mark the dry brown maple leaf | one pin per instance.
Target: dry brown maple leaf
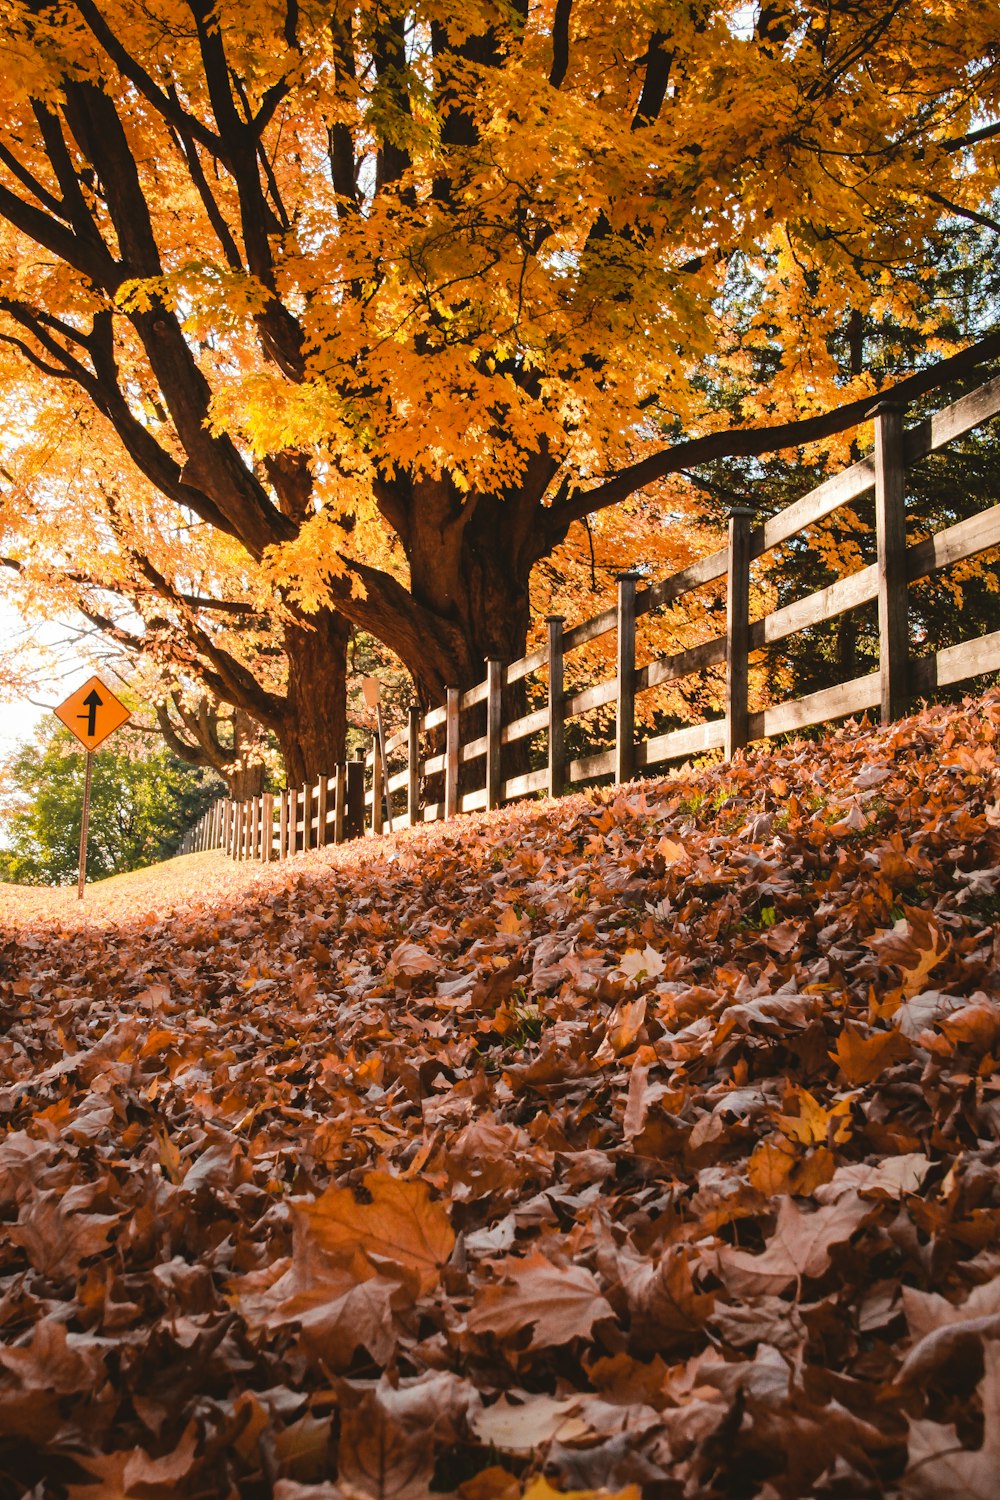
(521, 1426)
(333, 1328)
(940, 1468)
(56, 1362)
(799, 1246)
(863, 1058)
(663, 1303)
(401, 1226)
(56, 1239)
(558, 1303)
(379, 1458)
(133, 1475)
(927, 1311)
(777, 1167)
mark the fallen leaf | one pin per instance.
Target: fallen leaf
(557, 1303)
(940, 1467)
(522, 1426)
(799, 1247)
(401, 1226)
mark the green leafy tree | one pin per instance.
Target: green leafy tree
(142, 801)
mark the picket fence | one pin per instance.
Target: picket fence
(352, 799)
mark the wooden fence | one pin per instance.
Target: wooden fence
(353, 798)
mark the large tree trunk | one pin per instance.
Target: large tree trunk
(470, 564)
(469, 573)
(313, 725)
(244, 782)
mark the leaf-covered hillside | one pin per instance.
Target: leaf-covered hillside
(647, 1138)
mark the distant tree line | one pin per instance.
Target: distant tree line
(142, 801)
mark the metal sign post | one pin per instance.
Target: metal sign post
(91, 714)
(84, 825)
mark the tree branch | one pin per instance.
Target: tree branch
(964, 213)
(168, 107)
(654, 86)
(560, 42)
(750, 442)
(972, 138)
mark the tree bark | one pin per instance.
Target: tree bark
(312, 728)
(244, 782)
(470, 560)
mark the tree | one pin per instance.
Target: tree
(81, 534)
(202, 734)
(389, 296)
(141, 805)
(952, 604)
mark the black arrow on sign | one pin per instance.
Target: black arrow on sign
(93, 702)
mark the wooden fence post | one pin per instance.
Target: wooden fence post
(494, 730)
(378, 786)
(625, 716)
(890, 537)
(283, 823)
(267, 848)
(293, 820)
(339, 807)
(413, 765)
(738, 631)
(355, 820)
(322, 810)
(307, 802)
(557, 714)
(451, 762)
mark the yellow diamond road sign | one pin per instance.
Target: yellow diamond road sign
(92, 713)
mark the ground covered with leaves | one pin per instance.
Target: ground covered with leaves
(649, 1138)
